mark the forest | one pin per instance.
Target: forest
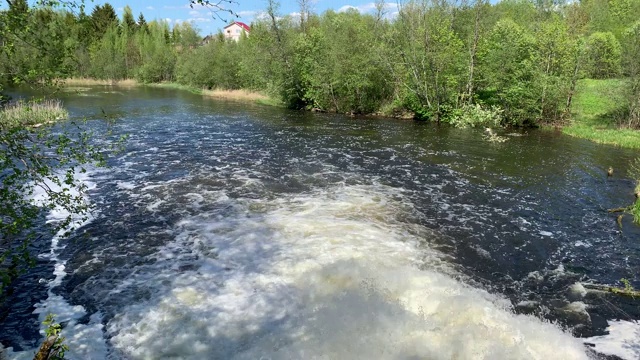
(467, 63)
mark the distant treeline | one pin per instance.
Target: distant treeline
(468, 63)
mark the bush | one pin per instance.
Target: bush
(604, 56)
(475, 115)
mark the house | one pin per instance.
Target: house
(235, 29)
(206, 40)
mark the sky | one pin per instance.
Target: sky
(175, 11)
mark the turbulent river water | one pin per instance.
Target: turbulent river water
(234, 231)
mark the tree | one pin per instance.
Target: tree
(631, 42)
(508, 71)
(604, 55)
(430, 64)
(142, 23)
(102, 18)
(128, 22)
(554, 56)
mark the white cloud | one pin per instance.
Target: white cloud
(369, 7)
(347, 8)
(194, 13)
(168, 20)
(247, 13)
(150, 8)
(120, 9)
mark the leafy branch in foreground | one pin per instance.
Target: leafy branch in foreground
(53, 348)
(39, 162)
(216, 6)
(38, 173)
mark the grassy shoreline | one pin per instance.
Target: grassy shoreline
(32, 114)
(595, 107)
(232, 95)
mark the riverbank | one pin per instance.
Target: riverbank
(233, 95)
(596, 105)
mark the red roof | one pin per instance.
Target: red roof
(241, 24)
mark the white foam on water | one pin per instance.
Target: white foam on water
(329, 275)
(578, 289)
(86, 341)
(623, 340)
(125, 185)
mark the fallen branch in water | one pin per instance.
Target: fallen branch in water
(622, 209)
(626, 291)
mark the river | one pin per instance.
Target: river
(235, 231)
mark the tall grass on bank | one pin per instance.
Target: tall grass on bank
(98, 82)
(31, 113)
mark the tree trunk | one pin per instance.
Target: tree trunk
(472, 53)
(45, 349)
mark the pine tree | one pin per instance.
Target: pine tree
(142, 23)
(128, 20)
(101, 18)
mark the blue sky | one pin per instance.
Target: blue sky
(179, 10)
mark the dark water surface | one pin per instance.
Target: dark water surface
(228, 230)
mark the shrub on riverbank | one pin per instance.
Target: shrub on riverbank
(475, 116)
(31, 113)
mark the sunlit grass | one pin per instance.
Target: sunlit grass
(596, 105)
(240, 95)
(236, 95)
(32, 113)
(176, 86)
(98, 82)
(621, 137)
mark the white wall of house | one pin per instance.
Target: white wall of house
(233, 31)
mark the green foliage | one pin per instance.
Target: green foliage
(597, 110)
(106, 59)
(508, 72)
(631, 41)
(475, 116)
(336, 65)
(634, 169)
(430, 64)
(38, 48)
(129, 24)
(604, 56)
(158, 57)
(59, 348)
(213, 66)
(103, 17)
(435, 59)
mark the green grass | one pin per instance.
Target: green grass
(32, 113)
(595, 107)
(270, 102)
